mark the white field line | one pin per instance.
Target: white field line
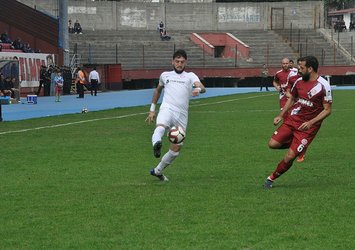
(70, 123)
(143, 113)
(109, 118)
(231, 100)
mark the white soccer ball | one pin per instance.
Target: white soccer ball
(84, 110)
(176, 134)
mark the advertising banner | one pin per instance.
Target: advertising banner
(29, 65)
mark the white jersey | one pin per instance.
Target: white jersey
(177, 90)
(94, 75)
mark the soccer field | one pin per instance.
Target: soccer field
(82, 181)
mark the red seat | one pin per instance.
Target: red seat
(6, 45)
(12, 50)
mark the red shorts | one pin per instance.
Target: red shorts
(288, 133)
(58, 90)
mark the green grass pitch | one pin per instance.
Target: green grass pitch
(82, 181)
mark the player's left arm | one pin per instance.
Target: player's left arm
(320, 117)
(276, 83)
(199, 89)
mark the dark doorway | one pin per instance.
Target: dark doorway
(218, 51)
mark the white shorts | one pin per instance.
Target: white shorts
(170, 118)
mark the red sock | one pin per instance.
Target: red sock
(281, 168)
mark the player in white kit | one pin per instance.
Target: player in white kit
(178, 86)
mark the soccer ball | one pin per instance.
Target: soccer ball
(176, 134)
(84, 110)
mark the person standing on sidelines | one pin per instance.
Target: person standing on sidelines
(280, 81)
(42, 77)
(309, 104)
(80, 82)
(59, 82)
(94, 79)
(178, 86)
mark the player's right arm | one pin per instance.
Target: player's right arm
(289, 103)
(276, 84)
(156, 95)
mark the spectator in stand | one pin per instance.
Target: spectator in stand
(339, 26)
(17, 44)
(351, 25)
(342, 25)
(164, 36)
(77, 28)
(70, 26)
(27, 48)
(160, 27)
(5, 38)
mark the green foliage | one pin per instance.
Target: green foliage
(87, 185)
(338, 4)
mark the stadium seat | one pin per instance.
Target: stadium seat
(12, 50)
(6, 45)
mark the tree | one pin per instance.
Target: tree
(338, 4)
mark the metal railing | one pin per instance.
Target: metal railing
(331, 48)
(293, 44)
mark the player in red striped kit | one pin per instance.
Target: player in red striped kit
(292, 77)
(280, 81)
(308, 105)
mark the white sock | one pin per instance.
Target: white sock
(167, 159)
(158, 134)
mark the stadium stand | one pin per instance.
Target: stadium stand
(42, 34)
(145, 50)
(313, 42)
(137, 48)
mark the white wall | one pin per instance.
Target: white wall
(199, 15)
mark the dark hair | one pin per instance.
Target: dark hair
(311, 61)
(180, 53)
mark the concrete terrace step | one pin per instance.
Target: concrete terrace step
(145, 48)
